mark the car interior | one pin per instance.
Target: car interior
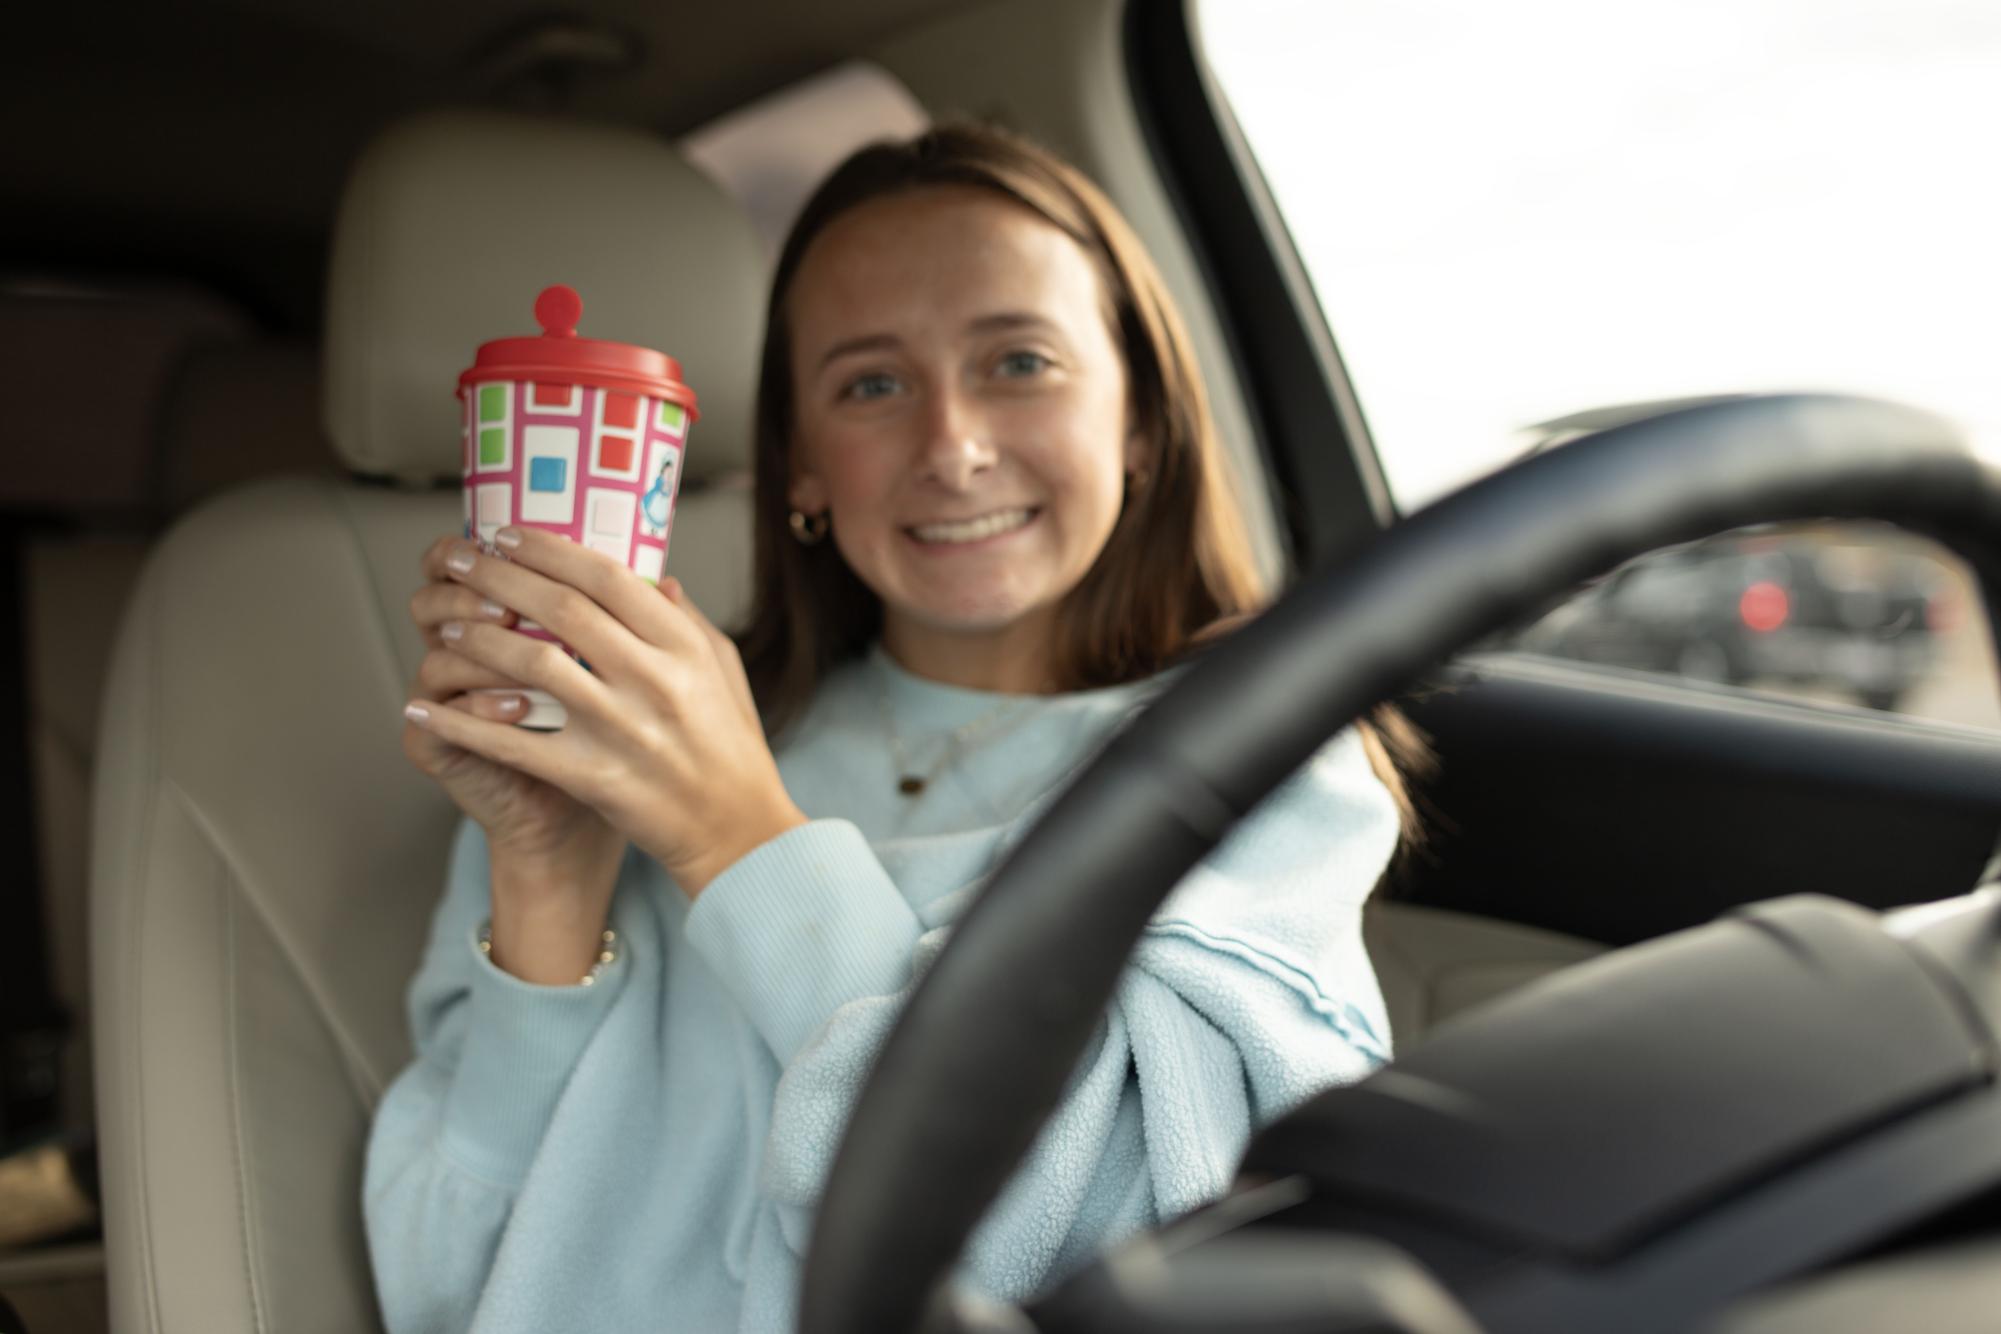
(241, 267)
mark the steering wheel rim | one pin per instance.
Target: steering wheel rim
(942, 1122)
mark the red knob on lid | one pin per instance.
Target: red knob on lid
(558, 310)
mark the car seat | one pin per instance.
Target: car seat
(265, 859)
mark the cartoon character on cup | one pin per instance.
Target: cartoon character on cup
(658, 501)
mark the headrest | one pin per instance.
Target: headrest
(237, 411)
(451, 225)
(82, 372)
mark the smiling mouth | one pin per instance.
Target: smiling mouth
(973, 530)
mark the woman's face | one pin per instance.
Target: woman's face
(961, 409)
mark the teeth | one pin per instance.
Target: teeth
(972, 530)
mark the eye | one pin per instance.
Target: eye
(1019, 365)
(864, 388)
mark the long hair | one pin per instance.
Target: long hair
(1179, 561)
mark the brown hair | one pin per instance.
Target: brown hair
(1179, 560)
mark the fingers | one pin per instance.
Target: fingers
(440, 599)
(445, 727)
(583, 597)
(445, 672)
(515, 659)
(496, 706)
(427, 750)
(434, 604)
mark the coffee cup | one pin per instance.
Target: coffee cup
(581, 437)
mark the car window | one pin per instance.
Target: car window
(1650, 208)
(1847, 613)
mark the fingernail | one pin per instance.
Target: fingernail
(508, 537)
(416, 713)
(453, 631)
(493, 609)
(459, 562)
(508, 705)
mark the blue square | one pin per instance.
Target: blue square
(547, 474)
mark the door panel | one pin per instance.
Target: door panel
(1616, 808)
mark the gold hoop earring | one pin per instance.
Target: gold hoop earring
(809, 529)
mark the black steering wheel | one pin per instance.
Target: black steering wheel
(980, 1054)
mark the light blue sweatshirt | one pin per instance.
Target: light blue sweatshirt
(644, 1154)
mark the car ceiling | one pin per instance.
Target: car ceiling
(171, 136)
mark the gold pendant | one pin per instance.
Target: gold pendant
(910, 785)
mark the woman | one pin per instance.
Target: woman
(991, 513)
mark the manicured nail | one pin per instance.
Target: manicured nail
(493, 609)
(508, 705)
(459, 562)
(508, 537)
(417, 713)
(453, 631)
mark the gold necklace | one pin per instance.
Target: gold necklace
(911, 783)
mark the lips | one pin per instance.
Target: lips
(978, 529)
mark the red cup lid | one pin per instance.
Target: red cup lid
(559, 356)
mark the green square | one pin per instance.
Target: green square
(672, 416)
(493, 446)
(493, 402)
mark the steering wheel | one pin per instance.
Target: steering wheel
(981, 1053)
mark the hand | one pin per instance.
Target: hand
(537, 834)
(663, 738)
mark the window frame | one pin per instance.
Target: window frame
(1331, 500)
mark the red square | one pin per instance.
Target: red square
(551, 395)
(615, 453)
(621, 410)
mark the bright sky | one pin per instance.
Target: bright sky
(1517, 211)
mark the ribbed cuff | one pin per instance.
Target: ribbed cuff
(800, 926)
(522, 1042)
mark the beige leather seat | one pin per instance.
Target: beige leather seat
(265, 859)
(232, 410)
(1434, 964)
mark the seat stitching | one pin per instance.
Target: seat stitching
(349, 1047)
(245, 1205)
(133, 959)
(342, 505)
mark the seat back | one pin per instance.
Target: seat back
(266, 860)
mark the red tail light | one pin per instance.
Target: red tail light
(1764, 606)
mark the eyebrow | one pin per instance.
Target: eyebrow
(999, 320)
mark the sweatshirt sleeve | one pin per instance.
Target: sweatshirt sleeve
(1250, 991)
(457, 1129)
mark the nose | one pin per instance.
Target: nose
(957, 442)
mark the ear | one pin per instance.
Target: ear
(1138, 451)
(807, 494)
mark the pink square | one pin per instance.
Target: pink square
(611, 513)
